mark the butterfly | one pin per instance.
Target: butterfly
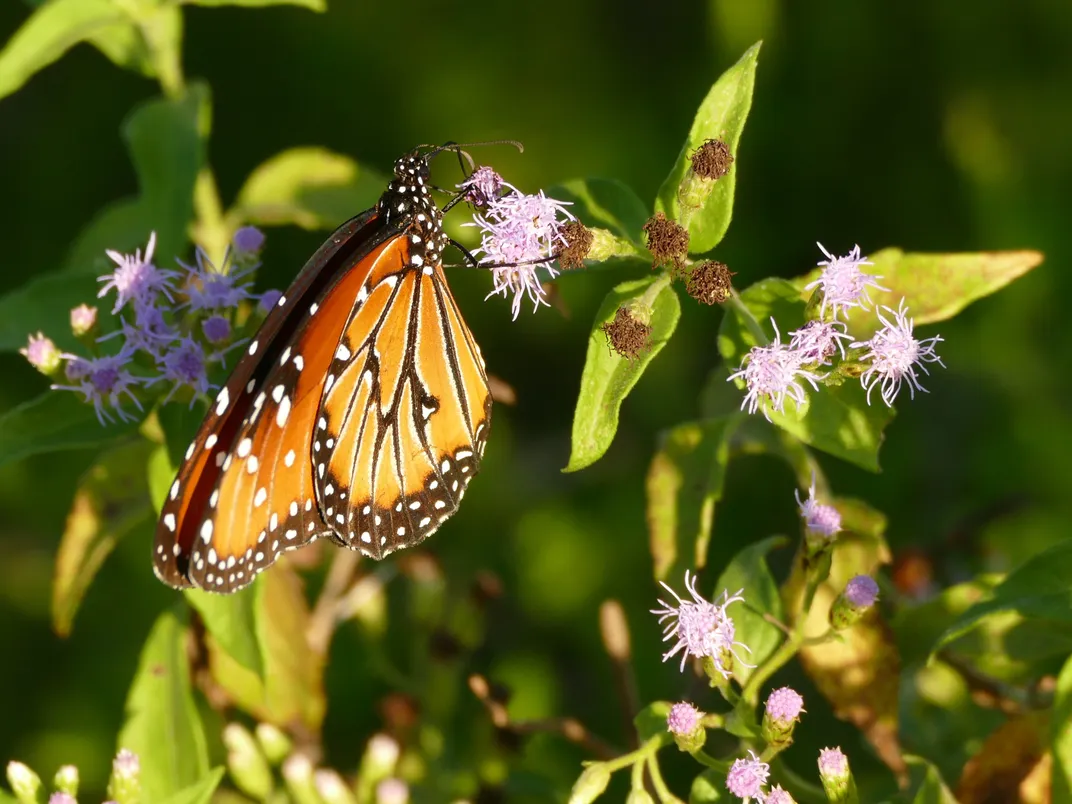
(359, 411)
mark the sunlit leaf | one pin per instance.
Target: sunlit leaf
(721, 116)
(651, 720)
(604, 204)
(162, 724)
(925, 783)
(707, 787)
(44, 304)
(314, 5)
(161, 473)
(111, 500)
(749, 573)
(231, 621)
(835, 419)
(684, 484)
(56, 420)
(935, 287)
(51, 30)
(199, 793)
(1010, 755)
(1061, 736)
(608, 377)
(918, 627)
(310, 187)
(1037, 590)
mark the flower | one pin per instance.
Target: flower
(392, 791)
(861, 591)
(83, 319)
(136, 278)
(836, 777)
(773, 372)
(894, 354)
(702, 628)
(683, 719)
(66, 780)
(248, 240)
(747, 777)
(784, 704)
(210, 289)
(778, 795)
(149, 333)
(817, 341)
(217, 329)
(483, 187)
(819, 518)
(269, 299)
(123, 786)
(61, 798)
(832, 762)
(518, 235)
(41, 353)
(103, 380)
(842, 282)
(184, 365)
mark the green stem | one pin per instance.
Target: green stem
(638, 755)
(778, 659)
(705, 758)
(647, 299)
(802, 790)
(657, 781)
(750, 322)
(210, 229)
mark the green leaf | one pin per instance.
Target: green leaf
(198, 793)
(748, 571)
(918, 627)
(161, 474)
(53, 421)
(123, 44)
(1037, 590)
(230, 620)
(313, 5)
(165, 139)
(123, 226)
(1061, 736)
(112, 499)
(835, 419)
(721, 116)
(651, 720)
(684, 484)
(608, 377)
(162, 726)
(925, 783)
(707, 787)
(310, 187)
(604, 204)
(44, 304)
(935, 287)
(51, 30)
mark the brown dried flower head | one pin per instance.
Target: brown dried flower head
(578, 239)
(626, 335)
(711, 160)
(709, 282)
(668, 241)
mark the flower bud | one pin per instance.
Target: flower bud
(66, 780)
(42, 354)
(217, 329)
(860, 594)
(836, 777)
(247, 765)
(248, 242)
(332, 788)
(124, 785)
(392, 791)
(274, 742)
(380, 758)
(298, 775)
(777, 795)
(269, 299)
(25, 784)
(638, 795)
(685, 722)
(781, 715)
(83, 320)
(590, 784)
(61, 798)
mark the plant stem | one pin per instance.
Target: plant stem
(657, 781)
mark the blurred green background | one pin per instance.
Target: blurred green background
(933, 125)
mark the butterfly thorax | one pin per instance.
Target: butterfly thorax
(407, 203)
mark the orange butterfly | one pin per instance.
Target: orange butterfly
(359, 411)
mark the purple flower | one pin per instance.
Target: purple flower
(248, 241)
(819, 518)
(217, 329)
(483, 187)
(41, 353)
(777, 795)
(894, 354)
(773, 372)
(518, 235)
(861, 591)
(683, 719)
(61, 798)
(785, 704)
(701, 628)
(184, 365)
(843, 284)
(103, 380)
(269, 299)
(136, 278)
(126, 764)
(817, 341)
(747, 777)
(210, 289)
(833, 763)
(392, 791)
(83, 319)
(149, 333)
